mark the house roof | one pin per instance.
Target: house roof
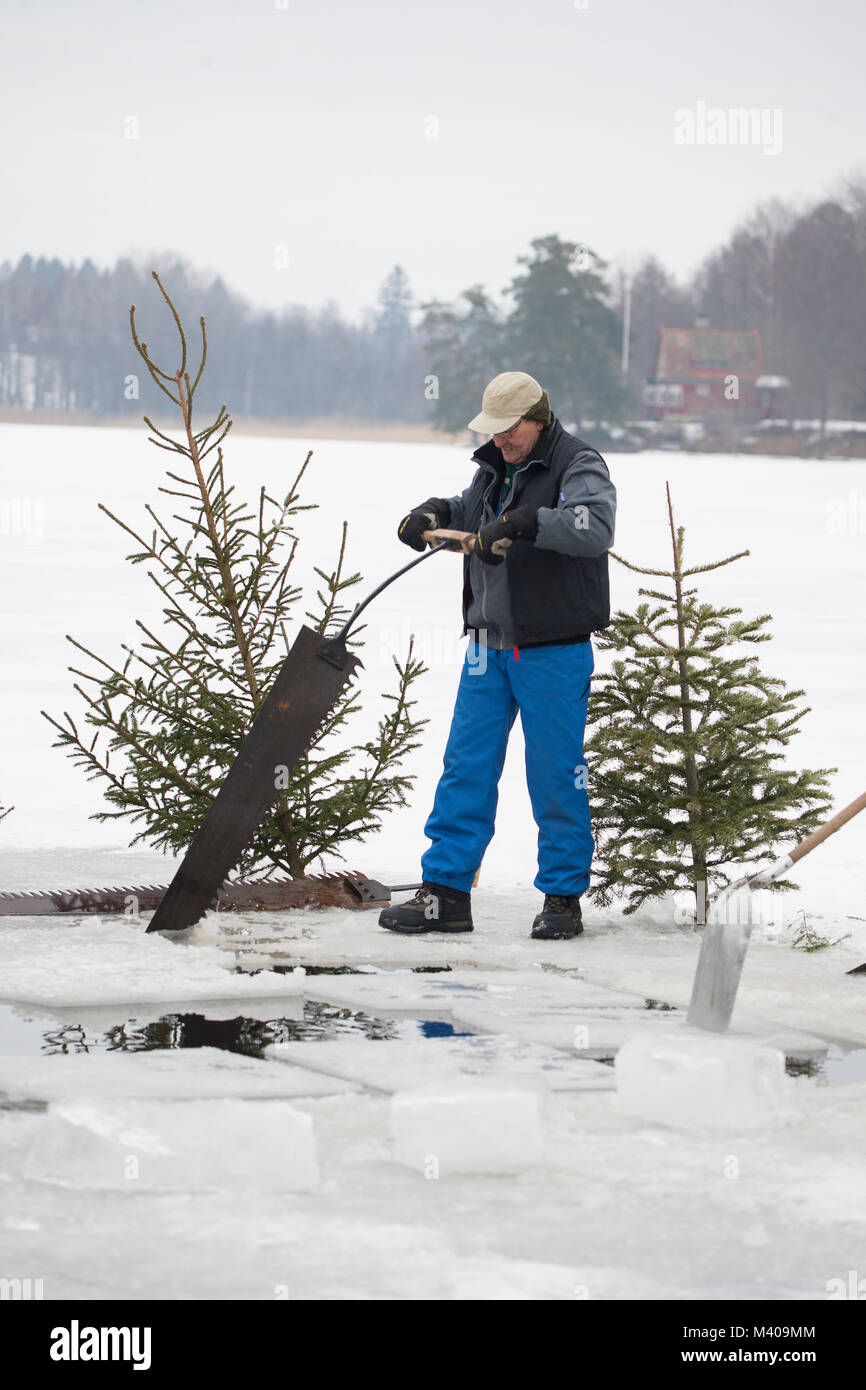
(701, 354)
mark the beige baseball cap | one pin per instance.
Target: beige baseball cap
(506, 399)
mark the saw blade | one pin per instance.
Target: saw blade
(307, 687)
(350, 889)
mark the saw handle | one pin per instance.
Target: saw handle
(464, 541)
(333, 649)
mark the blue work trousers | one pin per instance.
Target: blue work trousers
(550, 687)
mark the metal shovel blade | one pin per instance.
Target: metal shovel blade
(717, 978)
(306, 689)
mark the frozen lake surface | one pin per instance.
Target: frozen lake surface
(618, 1207)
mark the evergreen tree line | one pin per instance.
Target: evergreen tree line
(65, 345)
(797, 274)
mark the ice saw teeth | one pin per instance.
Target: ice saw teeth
(350, 889)
(308, 686)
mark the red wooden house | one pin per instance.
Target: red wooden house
(702, 371)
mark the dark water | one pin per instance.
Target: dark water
(26, 1034)
(344, 970)
(839, 1064)
(248, 1036)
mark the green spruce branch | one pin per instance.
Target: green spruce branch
(687, 744)
(162, 726)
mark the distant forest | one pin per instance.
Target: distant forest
(65, 344)
(797, 274)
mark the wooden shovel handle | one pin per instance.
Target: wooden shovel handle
(829, 828)
(461, 540)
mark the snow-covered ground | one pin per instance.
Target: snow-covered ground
(621, 1207)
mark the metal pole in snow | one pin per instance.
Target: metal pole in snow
(626, 322)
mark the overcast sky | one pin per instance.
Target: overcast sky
(441, 136)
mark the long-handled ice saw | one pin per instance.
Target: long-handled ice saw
(307, 687)
(723, 949)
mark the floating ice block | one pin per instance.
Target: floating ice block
(467, 1129)
(176, 1146)
(696, 1079)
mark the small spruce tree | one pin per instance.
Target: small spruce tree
(687, 737)
(807, 938)
(168, 722)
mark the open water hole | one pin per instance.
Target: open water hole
(28, 1032)
(31, 1031)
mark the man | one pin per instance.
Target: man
(542, 507)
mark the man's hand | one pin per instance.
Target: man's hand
(492, 541)
(428, 517)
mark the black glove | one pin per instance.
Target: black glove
(492, 541)
(431, 514)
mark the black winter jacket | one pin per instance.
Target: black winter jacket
(555, 589)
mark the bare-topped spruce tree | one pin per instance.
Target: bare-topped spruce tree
(164, 727)
(688, 734)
